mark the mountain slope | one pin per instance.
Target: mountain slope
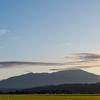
(75, 88)
(56, 78)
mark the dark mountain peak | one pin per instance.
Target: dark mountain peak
(79, 72)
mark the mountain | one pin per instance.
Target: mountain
(56, 78)
(8, 89)
(75, 88)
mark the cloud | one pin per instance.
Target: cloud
(29, 71)
(74, 61)
(10, 64)
(66, 44)
(3, 31)
(75, 67)
(81, 60)
(84, 56)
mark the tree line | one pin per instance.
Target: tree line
(46, 92)
(39, 92)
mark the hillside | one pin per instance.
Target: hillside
(75, 88)
(56, 78)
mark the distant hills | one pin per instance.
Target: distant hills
(74, 88)
(40, 79)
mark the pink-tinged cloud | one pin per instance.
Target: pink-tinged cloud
(78, 61)
(75, 67)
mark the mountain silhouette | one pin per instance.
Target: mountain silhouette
(74, 88)
(40, 79)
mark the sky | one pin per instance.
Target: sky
(49, 35)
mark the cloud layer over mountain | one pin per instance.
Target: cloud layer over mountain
(74, 61)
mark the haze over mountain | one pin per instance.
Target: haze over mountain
(40, 79)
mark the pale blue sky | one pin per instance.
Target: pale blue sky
(34, 30)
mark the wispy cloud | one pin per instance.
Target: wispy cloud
(84, 56)
(10, 64)
(75, 67)
(81, 60)
(66, 44)
(3, 31)
(77, 61)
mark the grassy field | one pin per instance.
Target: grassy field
(51, 97)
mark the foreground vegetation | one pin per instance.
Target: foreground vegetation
(51, 97)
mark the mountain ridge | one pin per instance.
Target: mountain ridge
(40, 79)
(74, 88)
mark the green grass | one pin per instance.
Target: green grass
(51, 97)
